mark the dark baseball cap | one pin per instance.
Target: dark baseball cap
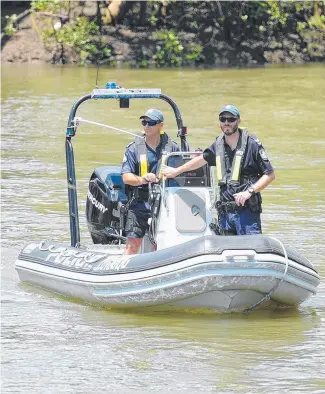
(231, 109)
(153, 114)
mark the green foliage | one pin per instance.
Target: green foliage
(153, 20)
(188, 33)
(276, 11)
(51, 6)
(73, 35)
(301, 26)
(76, 35)
(317, 21)
(10, 29)
(107, 52)
(144, 63)
(312, 29)
(170, 52)
(193, 52)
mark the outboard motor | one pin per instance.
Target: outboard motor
(106, 199)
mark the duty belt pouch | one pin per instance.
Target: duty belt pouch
(228, 207)
(143, 195)
(255, 203)
(140, 194)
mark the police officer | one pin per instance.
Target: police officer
(243, 170)
(141, 165)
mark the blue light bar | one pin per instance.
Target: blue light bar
(125, 93)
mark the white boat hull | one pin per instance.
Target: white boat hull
(234, 280)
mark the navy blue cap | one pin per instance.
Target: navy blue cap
(231, 109)
(153, 114)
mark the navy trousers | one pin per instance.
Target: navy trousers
(241, 222)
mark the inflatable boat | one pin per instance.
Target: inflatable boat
(183, 262)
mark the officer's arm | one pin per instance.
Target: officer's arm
(264, 181)
(193, 164)
(130, 168)
(265, 168)
(133, 180)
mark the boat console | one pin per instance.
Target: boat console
(179, 206)
(194, 178)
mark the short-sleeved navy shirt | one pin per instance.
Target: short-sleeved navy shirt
(130, 160)
(255, 162)
(131, 163)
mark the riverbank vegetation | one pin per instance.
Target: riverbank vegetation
(153, 34)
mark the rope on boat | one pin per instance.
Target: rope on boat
(268, 295)
(78, 120)
(163, 194)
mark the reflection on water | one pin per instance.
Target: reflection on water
(51, 344)
(89, 346)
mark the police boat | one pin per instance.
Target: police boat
(182, 264)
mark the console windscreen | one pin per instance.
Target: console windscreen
(194, 178)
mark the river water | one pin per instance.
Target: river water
(54, 345)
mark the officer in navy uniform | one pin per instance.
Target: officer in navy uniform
(243, 170)
(141, 165)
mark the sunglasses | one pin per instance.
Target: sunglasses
(150, 123)
(223, 119)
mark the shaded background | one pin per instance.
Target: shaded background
(156, 34)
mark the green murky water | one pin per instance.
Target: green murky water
(53, 345)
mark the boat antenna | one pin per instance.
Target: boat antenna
(97, 64)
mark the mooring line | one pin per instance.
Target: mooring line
(267, 296)
(78, 120)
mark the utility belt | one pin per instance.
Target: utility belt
(229, 207)
(229, 187)
(253, 204)
(139, 194)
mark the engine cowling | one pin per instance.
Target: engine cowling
(105, 197)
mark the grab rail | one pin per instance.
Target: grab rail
(112, 91)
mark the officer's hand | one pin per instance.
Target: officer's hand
(242, 197)
(170, 172)
(150, 177)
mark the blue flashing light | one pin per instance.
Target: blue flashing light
(111, 85)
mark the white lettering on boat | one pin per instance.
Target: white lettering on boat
(115, 263)
(81, 259)
(71, 258)
(97, 204)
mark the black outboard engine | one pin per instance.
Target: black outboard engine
(106, 199)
